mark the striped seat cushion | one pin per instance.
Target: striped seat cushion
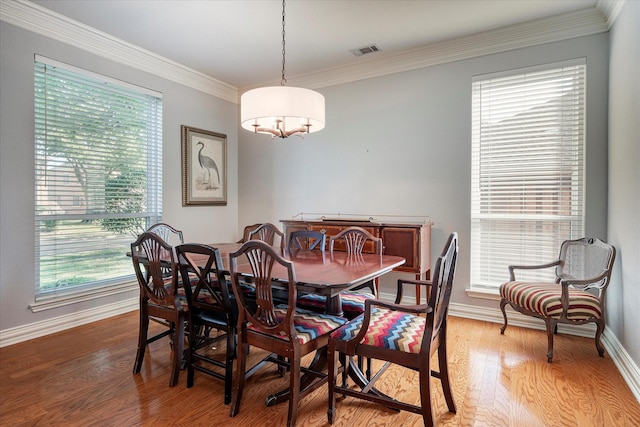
(544, 299)
(352, 302)
(308, 325)
(388, 329)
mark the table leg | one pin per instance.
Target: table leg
(334, 305)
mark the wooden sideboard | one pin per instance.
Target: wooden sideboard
(410, 240)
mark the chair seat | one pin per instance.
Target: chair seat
(308, 325)
(544, 299)
(393, 330)
(352, 302)
(182, 297)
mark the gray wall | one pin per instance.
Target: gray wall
(401, 145)
(624, 178)
(181, 105)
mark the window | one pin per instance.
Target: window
(527, 169)
(98, 170)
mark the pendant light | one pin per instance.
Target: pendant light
(282, 111)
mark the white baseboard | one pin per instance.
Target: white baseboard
(67, 321)
(629, 370)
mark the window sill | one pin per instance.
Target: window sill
(61, 300)
(483, 293)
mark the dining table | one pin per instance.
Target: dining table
(325, 273)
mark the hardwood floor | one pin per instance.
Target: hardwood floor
(84, 377)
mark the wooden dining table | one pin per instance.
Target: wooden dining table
(322, 272)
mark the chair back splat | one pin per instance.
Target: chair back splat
(307, 239)
(167, 233)
(399, 334)
(267, 232)
(355, 239)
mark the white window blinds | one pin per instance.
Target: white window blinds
(98, 175)
(527, 168)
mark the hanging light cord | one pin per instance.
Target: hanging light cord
(283, 81)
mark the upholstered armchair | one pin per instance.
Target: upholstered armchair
(577, 296)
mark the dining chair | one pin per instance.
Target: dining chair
(211, 307)
(307, 239)
(576, 296)
(167, 233)
(248, 229)
(353, 239)
(403, 335)
(160, 298)
(284, 330)
(267, 232)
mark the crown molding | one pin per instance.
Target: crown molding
(32, 17)
(555, 28)
(610, 9)
(37, 19)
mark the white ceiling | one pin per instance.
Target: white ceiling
(239, 42)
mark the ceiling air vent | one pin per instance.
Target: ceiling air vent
(365, 50)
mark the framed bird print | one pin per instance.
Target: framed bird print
(204, 167)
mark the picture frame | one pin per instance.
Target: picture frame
(204, 167)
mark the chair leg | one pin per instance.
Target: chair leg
(599, 330)
(361, 363)
(425, 395)
(294, 389)
(142, 341)
(228, 370)
(444, 373)
(191, 354)
(332, 377)
(551, 325)
(346, 362)
(178, 350)
(240, 373)
(503, 303)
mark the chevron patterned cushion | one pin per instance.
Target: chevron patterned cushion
(352, 302)
(390, 329)
(308, 325)
(544, 299)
